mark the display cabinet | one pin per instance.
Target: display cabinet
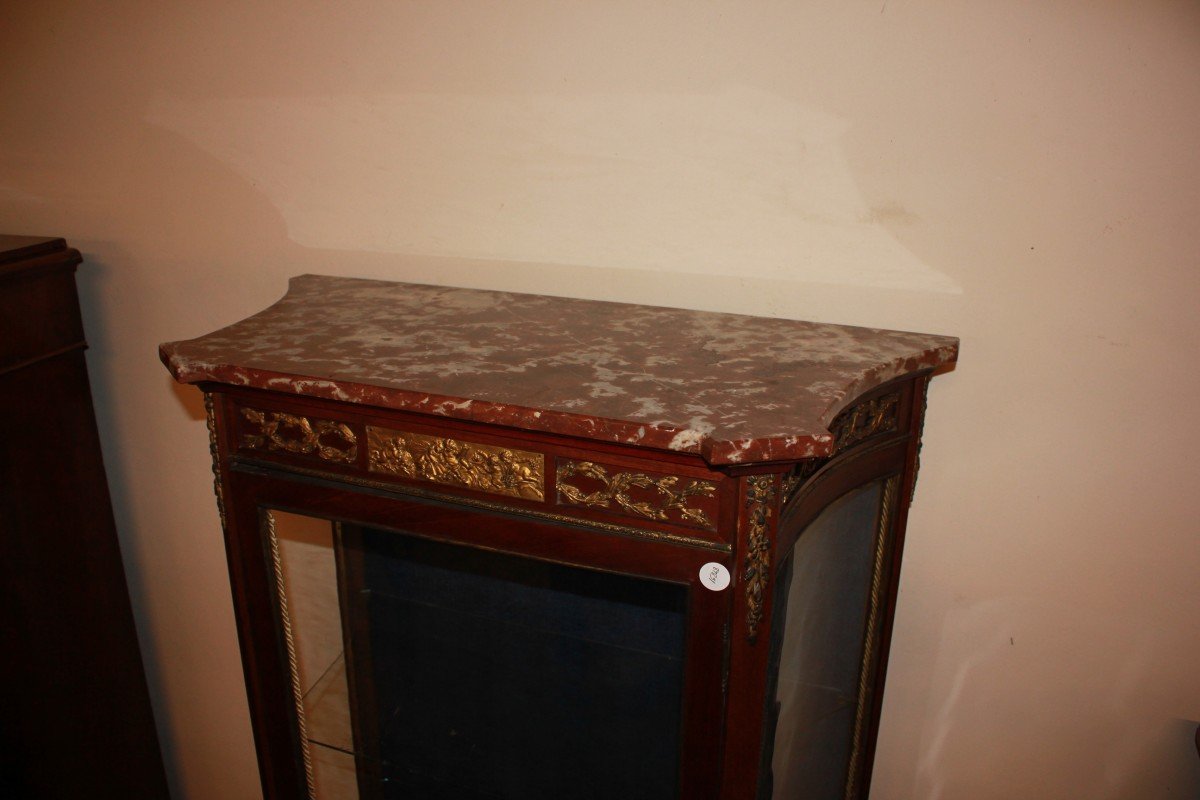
(493, 545)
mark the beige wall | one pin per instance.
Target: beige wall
(1022, 175)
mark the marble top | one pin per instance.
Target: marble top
(733, 388)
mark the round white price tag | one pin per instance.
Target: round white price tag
(714, 576)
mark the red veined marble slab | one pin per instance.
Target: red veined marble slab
(733, 388)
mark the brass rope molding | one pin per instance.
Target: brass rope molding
(886, 507)
(285, 622)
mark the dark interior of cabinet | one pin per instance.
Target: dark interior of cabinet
(478, 674)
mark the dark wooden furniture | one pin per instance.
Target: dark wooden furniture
(537, 502)
(76, 719)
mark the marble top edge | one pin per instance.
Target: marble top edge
(733, 388)
(782, 447)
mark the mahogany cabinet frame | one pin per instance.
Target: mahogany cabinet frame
(757, 514)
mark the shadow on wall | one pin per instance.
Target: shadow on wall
(657, 182)
(1137, 750)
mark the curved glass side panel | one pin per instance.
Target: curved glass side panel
(824, 628)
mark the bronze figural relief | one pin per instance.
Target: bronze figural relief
(485, 468)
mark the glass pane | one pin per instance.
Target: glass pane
(439, 671)
(825, 591)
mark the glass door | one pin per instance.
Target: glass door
(429, 669)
